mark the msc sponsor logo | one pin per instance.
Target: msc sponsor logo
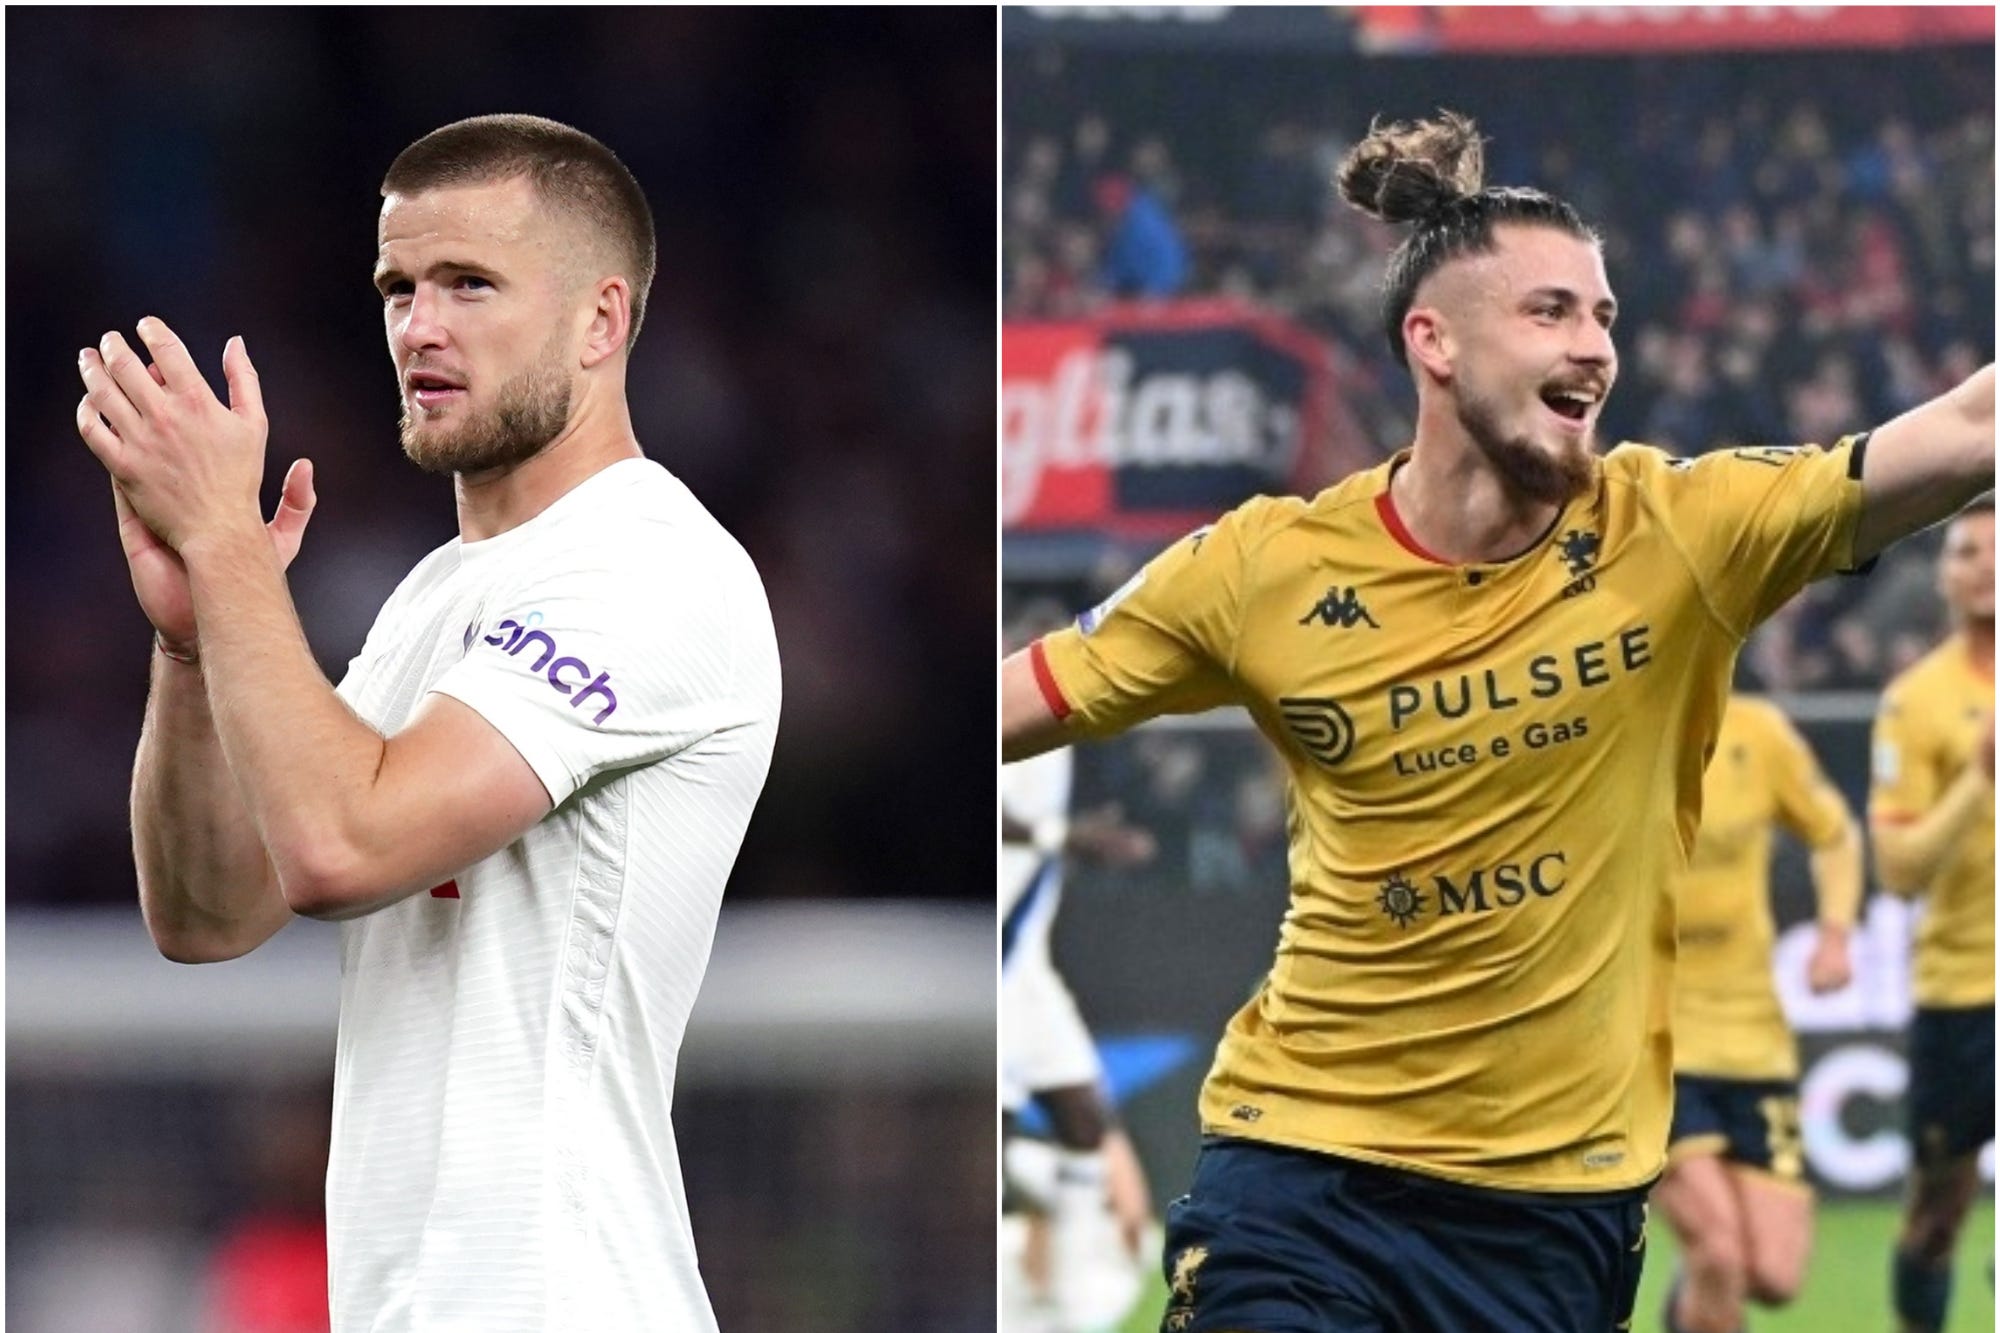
(566, 675)
(1341, 608)
(1321, 727)
(1400, 900)
(1484, 889)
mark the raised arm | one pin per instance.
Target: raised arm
(349, 821)
(206, 888)
(1925, 465)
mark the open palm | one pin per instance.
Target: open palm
(161, 580)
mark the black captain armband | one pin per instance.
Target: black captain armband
(1855, 452)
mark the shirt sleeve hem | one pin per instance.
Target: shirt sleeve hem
(548, 766)
(1045, 681)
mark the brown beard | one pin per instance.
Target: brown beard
(1528, 470)
(531, 410)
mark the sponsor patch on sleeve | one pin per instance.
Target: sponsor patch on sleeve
(1888, 762)
(1091, 619)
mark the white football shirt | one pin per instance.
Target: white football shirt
(503, 1157)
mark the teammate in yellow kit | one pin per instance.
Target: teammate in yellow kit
(1931, 814)
(1492, 667)
(1735, 1191)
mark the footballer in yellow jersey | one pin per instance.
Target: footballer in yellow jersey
(1931, 811)
(1734, 1191)
(1493, 667)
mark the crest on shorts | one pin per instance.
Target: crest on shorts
(1180, 1288)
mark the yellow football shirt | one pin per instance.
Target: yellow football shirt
(1727, 1019)
(1494, 771)
(1924, 737)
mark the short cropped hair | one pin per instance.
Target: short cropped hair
(571, 173)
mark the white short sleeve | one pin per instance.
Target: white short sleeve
(592, 669)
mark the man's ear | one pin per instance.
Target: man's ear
(610, 322)
(1428, 342)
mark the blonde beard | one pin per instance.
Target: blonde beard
(531, 410)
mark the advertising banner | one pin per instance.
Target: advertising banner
(1151, 419)
(1611, 29)
(1496, 29)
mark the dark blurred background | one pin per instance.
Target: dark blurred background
(818, 366)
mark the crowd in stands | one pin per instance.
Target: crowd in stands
(1802, 246)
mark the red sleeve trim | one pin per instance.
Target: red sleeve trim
(1393, 521)
(1045, 679)
(1893, 818)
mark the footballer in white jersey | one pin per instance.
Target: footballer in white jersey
(524, 799)
(502, 1151)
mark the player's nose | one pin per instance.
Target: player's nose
(423, 320)
(1592, 344)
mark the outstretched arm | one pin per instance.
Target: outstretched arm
(1925, 465)
(1028, 726)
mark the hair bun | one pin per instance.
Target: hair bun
(1409, 173)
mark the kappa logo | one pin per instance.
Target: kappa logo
(1341, 608)
(514, 637)
(1322, 728)
(1579, 553)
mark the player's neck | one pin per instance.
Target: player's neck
(1977, 636)
(1459, 508)
(490, 503)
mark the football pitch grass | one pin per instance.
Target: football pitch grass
(1846, 1287)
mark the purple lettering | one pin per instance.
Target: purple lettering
(599, 686)
(582, 669)
(514, 648)
(503, 637)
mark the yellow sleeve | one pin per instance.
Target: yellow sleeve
(1808, 804)
(1903, 774)
(1162, 643)
(1758, 524)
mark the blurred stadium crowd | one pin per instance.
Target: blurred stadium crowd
(1802, 245)
(817, 364)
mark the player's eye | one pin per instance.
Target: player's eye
(467, 279)
(392, 290)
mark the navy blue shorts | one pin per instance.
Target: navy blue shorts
(1754, 1123)
(1951, 1083)
(1275, 1240)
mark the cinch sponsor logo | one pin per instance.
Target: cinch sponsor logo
(566, 675)
(1485, 889)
